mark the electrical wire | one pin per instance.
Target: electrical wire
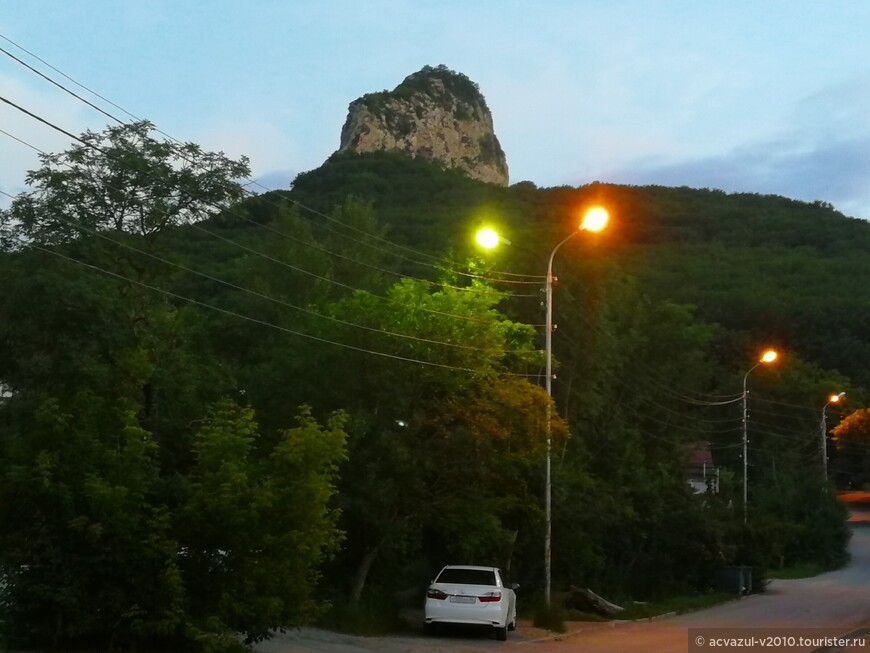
(265, 323)
(635, 389)
(668, 387)
(87, 144)
(251, 181)
(274, 299)
(286, 304)
(51, 81)
(211, 233)
(328, 218)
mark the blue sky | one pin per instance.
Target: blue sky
(763, 96)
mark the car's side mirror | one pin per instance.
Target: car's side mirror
(515, 586)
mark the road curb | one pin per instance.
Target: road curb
(614, 623)
(653, 618)
(556, 637)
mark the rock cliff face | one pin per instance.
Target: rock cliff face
(436, 114)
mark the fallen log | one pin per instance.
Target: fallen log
(586, 600)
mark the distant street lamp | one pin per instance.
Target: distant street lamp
(768, 357)
(594, 220)
(833, 399)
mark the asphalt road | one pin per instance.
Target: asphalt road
(838, 602)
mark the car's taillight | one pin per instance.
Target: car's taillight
(492, 597)
(432, 593)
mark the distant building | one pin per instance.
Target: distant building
(703, 475)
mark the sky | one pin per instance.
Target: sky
(760, 96)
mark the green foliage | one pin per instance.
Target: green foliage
(122, 180)
(133, 515)
(451, 460)
(91, 555)
(800, 570)
(795, 519)
(764, 269)
(257, 522)
(87, 555)
(457, 88)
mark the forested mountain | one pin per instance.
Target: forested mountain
(223, 411)
(781, 271)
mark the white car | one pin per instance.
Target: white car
(471, 595)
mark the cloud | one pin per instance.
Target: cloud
(274, 180)
(822, 152)
(835, 171)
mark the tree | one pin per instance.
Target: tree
(443, 441)
(93, 556)
(94, 218)
(88, 555)
(257, 522)
(628, 368)
(118, 526)
(121, 180)
(852, 441)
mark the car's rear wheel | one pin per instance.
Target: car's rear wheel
(501, 633)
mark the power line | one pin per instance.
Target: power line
(227, 210)
(297, 203)
(227, 240)
(60, 86)
(328, 218)
(274, 299)
(265, 323)
(60, 72)
(621, 379)
(668, 386)
(23, 142)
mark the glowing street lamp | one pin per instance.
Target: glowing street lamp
(833, 399)
(595, 219)
(488, 238)
(768, 357)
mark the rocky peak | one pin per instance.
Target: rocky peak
(435, 114)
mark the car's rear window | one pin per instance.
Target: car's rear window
(466, 576)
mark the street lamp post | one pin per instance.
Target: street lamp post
(833, 399)
(595, 219)
(768, 357)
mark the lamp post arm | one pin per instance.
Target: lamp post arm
(556, 249)
(746, 376)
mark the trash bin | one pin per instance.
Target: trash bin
(736, 579)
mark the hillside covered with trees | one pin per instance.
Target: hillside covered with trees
(224, 413)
